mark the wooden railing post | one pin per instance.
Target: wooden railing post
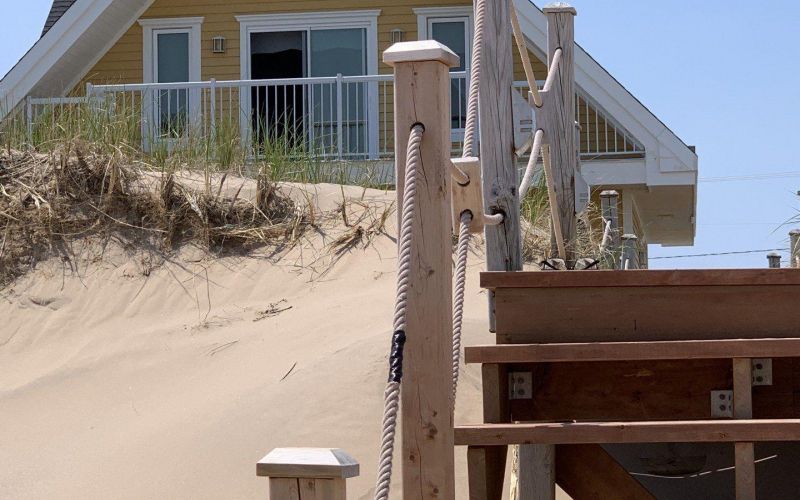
(630, 252)
(560, 122)
(422, 96)
(774, 260)
(794, 247)
(609, 206)
(307, 473)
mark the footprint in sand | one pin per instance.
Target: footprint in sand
(51, 303)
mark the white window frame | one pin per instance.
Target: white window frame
(428, 15)
(151, 29)
(308, 21)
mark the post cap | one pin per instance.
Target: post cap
(423, 50)
(773, 255)
(559, 8)
(320, 463)
(629, 237)
(608, 193)
(794, 231)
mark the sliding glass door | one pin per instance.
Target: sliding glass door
(329, 118)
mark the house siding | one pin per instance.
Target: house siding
(123, 63)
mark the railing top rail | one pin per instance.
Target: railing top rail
(133, 87)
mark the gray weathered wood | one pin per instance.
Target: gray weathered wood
(630, 252)
(774, 260)
(560, 120)
(794, 242)
(609, 205)
(422, 95)
(500, 178)
(537, 483)
(743, 409)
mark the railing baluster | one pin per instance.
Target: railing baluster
(339, 137)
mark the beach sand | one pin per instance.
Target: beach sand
(126, 376)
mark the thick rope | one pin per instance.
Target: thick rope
(392, 393)
(527, 179)
(471, 127)
(458, 293)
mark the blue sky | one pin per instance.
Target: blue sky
(722, 74)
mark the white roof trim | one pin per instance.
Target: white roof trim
(666, 153)
(50, 48)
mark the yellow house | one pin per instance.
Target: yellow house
(311, 70)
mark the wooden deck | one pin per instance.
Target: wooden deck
(630, 358)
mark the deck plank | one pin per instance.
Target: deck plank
(690, 431)
(634, 351)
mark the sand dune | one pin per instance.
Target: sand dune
(122, 376)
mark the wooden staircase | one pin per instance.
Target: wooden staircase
(655, 387)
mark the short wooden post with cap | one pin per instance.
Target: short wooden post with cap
(307, 473)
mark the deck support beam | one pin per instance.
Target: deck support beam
(744, 454)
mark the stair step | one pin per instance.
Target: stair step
(634, 351)
(689, 431)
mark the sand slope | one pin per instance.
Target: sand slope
(121, 379)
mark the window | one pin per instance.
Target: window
(171, 55)
(312, 45)
(451, 26)
(452, 32)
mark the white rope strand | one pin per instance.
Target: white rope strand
(458, 293)
(471, 127)
(392, 393)
(527, 179)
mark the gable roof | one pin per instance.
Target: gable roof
(56, 11)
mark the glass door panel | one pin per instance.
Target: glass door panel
(172, 65)
(334, 51)
(453, 32)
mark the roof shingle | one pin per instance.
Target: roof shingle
(56, 11)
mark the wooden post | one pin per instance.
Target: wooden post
(307, 473)
(560, 121)
(630, 254)
(743, 408)
(500, 176)
(794, 247)
(609, 205)
(774, 260)
(422, 96)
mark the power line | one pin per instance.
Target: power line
(740, 252)
(752, 177)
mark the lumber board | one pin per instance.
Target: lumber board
(588, 472)
(675, 431)
(634, 351)
(623, 314)
(640, 278)
(647, 390)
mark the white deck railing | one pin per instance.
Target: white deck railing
(338, 117)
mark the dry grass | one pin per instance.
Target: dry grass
(537, 230)
(48, 200)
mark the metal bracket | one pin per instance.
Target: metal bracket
(722, 404)
(762, 371)
(467, 197)
(520, 385)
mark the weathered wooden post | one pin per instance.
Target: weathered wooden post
(501, 195)
(774, 260)
(794, 247)
(422, 96)
(630, 254)
(307, 473)
(744, 456)
(559, 120)
(609, 206)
